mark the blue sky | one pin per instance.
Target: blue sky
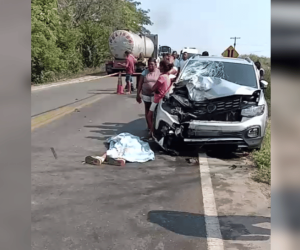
(208, 25)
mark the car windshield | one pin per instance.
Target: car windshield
(238, 73)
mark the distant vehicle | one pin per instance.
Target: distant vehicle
(139, 45)
(190, 50)
(164, 49)
(215, 100)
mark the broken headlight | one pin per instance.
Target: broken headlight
(253, 111)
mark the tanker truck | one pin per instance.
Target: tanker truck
(141, 47)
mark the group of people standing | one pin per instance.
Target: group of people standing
(155, 81)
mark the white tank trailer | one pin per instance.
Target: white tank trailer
(122, 40)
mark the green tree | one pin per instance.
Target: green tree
(68, 40)
(45, 55)
(70, 35)
(94, 43)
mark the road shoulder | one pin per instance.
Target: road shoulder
(243, 205)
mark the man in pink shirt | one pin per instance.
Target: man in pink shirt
(130, 69)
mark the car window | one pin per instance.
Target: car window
(242, 74)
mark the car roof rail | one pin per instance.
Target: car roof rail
(248, 59)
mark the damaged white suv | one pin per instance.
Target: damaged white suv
(214, 101)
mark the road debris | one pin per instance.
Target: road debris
(54, 153)
(233, 167)
(242, 154)
(192, 160)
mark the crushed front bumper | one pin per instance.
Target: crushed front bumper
(197, 132)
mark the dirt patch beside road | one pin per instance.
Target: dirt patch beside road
(244, 206)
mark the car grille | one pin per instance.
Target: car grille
(221, 105)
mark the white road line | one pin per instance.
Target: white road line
(213, 232)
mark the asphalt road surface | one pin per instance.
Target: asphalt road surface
(56, 97)
(76, 206)
(156, 205)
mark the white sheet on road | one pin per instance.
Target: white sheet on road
(129, 147)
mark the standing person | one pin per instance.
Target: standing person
(183, 61)
(176, 61)
(260, 70)
(146, 82)
(167, 57)
(174, 71)
(157, 62)
(130, 65)
(160, 89)
(140, 65)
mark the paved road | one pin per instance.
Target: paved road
(152, 206)
(55, 97)
(77, 206)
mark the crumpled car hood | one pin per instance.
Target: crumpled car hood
(202, 88)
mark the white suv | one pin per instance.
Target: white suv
(214, 101)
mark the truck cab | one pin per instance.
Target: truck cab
(163, 50)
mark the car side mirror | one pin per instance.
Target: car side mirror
(263, 84)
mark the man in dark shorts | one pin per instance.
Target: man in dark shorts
(130, 62)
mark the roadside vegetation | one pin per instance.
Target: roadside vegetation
(262, 158)
(69, 37)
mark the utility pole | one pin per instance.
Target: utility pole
(235, 40)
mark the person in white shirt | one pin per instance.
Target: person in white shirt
(176, 61)
(183, 61)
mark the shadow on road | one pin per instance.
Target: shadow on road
(108, 129)
(234, 227)
(224, 152)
